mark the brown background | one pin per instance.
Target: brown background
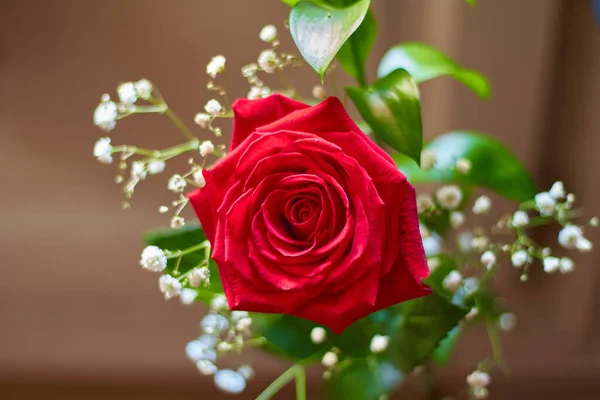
(78, 319)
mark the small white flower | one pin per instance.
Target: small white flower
(213, 107)
(465, 241)
(558, 190)
(478, 379)
(329, 359)
(138, 170)
(143, 89)
(566, 265)
(156, 166)
(206, 367)
(188, 296)
(246, 371)
(593, 222)
(202, 120)
(319, 92)
(224, 346)
(208, 341)
(482, 205)
(546, 251)
(480, 242)
(463, 165)
(243, 324)
(258, 92)
(507, 321)
(379, 343)
(268, 33)
(488, 259)
(318, 335)
(268, 61)
(424, 203)
(519, 258)
(449, 196)
(569, 236)
(481, 393)
(433, 263)
(249, 70)
(196, 351)
(570, 200)
(127, 93)
(551, 264)
(219, 303)
(198, 276)
(428, 159)
(215, 66)
(238, 315)
(470, 286)
(584, 245)
(214, 323)
(199, 178)
(457, 219)
(176, 183)
(230, 381)
(105, 115)
(103, 150)
(169, 286)
(452, 281)
(545, 203)
(177, 222)
(520, 219)
(206, 148)
(153, 259)
(432, 245)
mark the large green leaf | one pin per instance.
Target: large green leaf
(363, 379)
(441, 355)
(180, 239)
(494, 166)
(319, 29)
(291, 3)
(424, 62)
(354, 53)
(424, 323)
(391, 107)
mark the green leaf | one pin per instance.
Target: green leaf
(319, 30)
(424, 62)
(291, 3)
(362, 379)
(391, 107)
(494, 166)
(471, 2)
(180, 239)
(425, 322)
(354, 53)
(441, 355)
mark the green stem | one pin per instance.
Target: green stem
(295, 371)
(189, 250)
(179, 124)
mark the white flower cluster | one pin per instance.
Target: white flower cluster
(107, 112)
(222, 332)
(215, 66)
(478, 382)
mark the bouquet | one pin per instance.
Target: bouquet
(305, 236)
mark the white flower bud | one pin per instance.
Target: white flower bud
(196, 351)
(143, 89)
(482, 205)
(488, 259)
(478, 379)
(433, 263)
(246, 371)
(199, 276)
(187, 296)
(449, 196)
(329, 359)
(202, 120)
(432, 245)
(507, 321)
(153, 259)
(545, 203)
(199, 178)
(138, 170)
(214, 323)
(520, 219)
(569, 236)
(103, 150)
(268, 33)
(208, 341)
(268, 61)
(424, 203)
(224, 346)
(558, 190)
(215, 66)
(243, 325)
(219, 303)
(127, 93)
(105, 115)
(452, 281)
(156, 166)
(593, 222)
(258, 92)
(230, 381)
(463, 165)
(566, 265)
(481, 393)
(206, 148)
(206, 367)
(319, 92)
(169, 286)
(176, 183)
(584, 245)
(238, 315)
(177, 222)
(457, 219)
(318, 335)
(379, 343)
(480, 242)
(551, 264)
(428, 159)
(519, 258)
(213, 107)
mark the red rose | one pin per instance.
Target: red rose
(308, 217)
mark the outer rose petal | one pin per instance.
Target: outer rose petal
(251, 114)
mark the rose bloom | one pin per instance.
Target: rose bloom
(309, 217)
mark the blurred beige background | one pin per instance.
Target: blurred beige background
(79, 319)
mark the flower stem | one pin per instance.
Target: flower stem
(295, 371)
(179, 124)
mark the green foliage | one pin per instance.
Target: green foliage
(494, 166)
(354, 53)
(391, 107)
(320, 29)
(441, 355)
(425, 62)
(363, 379)
(180, 239)
(471, 2)
(291, 3)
